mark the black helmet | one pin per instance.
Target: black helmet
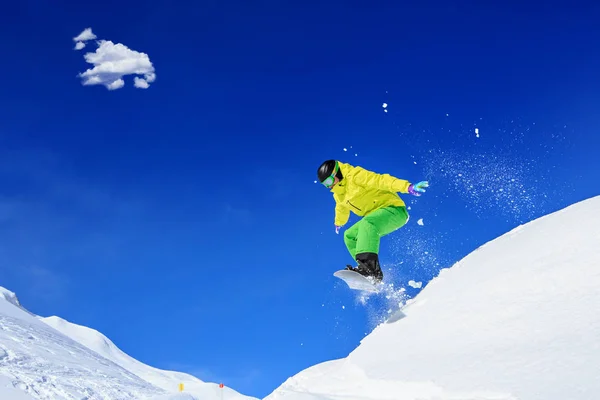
(326, 170)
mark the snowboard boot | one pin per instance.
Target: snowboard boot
(368, 266)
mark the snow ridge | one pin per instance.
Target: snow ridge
(514, 320)
(52, 359)
(11, 298)
(166, 380)
(47, 365)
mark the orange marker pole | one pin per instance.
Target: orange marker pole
(221, 386)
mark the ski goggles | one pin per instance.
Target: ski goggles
(328, 182)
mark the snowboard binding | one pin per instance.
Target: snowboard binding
(368, 266)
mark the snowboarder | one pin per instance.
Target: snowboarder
(372, 196)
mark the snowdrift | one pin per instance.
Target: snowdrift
(50, 358)
(519, 318)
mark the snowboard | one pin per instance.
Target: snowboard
(356, 281)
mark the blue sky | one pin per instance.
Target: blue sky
(183, 220)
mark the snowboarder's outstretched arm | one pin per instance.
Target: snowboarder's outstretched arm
(387, 182)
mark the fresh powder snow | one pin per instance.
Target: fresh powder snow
(167, 380)
(52, 359)
(515, 319)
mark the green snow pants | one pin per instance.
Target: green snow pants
(364, 236)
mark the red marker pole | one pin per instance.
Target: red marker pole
(221, 386)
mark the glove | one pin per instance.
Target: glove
(417, 189)
(337, 229)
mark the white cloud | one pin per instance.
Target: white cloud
(83, 37)
(140, 83)
(118, 84)
(112, 62)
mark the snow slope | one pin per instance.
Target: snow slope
(50, 358)
(519, 318)
(167, 380)
(45, 364)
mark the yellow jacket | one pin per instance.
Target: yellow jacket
(362, 191)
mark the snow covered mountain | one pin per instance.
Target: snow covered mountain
(516, 319)
(50, 358)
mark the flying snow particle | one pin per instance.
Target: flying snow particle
(345, 149)
(477, 132)
(416, 285)
(420, 221)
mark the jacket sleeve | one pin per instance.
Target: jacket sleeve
(342, 214)
(387, 182)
